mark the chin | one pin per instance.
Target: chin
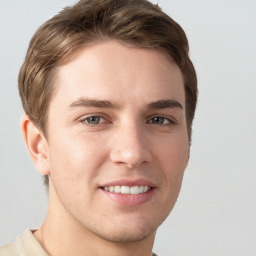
(127, 236)
(127, 230)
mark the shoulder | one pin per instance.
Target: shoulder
(25, 244)
(8, 250)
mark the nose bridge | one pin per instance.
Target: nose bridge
(130, 145)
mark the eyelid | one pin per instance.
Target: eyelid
(83, 118)
(171, 119)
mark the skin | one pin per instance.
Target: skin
(133, 138)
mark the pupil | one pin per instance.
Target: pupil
(158, 120)
(94, 120)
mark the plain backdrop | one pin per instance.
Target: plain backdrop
(216, 211)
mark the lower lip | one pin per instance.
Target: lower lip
(130, 200)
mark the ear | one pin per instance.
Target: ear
(36, 144)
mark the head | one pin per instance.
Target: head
(136, 24)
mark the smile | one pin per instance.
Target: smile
(127, 190)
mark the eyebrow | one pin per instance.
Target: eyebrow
(160, 104)
(85, 102)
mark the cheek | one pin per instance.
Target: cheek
(174, 152)
(173, 159)
(71, 171)
(76, 157)
(67, 158)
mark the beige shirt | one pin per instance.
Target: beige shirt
(25, 245)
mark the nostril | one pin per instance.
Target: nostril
(130, 158)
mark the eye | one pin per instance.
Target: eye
(92, 120)
(161, 120)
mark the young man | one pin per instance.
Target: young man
(109, 94)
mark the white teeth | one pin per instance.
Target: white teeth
(134, 190)
(125, 190)
(141, 189)
(145, 189)
(117, 189)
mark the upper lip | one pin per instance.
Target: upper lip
(129, 182)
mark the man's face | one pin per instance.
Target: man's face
(117, 141)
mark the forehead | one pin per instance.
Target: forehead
(118, 72)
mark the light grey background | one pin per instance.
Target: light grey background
(216, 210)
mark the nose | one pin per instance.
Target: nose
(130, 147)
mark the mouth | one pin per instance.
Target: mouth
(129, 193)
(127, 190)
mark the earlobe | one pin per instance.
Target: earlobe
(36, 144)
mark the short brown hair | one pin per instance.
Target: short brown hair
(134, 22)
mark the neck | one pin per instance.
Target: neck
(62, 235)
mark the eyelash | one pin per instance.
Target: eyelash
(169, 120)
(85, 119)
